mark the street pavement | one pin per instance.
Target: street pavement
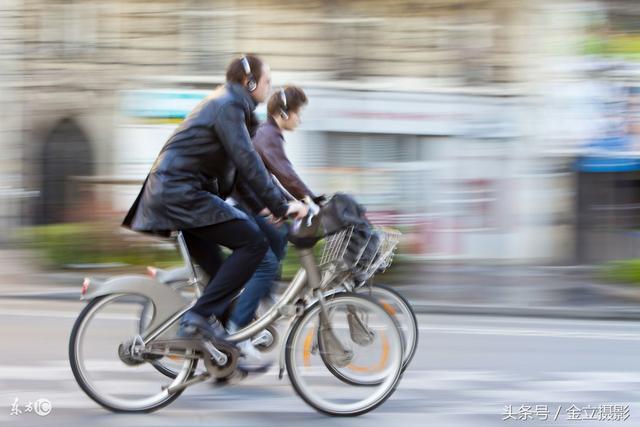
(469, 371)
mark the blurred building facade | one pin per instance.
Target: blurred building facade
(434, 113)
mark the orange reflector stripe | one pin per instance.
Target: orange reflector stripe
(383, 361)
(389, 308)
(306, 355)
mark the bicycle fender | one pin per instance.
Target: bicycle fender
(166, 301)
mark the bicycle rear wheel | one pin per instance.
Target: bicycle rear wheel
(100, 360)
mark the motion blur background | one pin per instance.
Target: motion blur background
(502, 137)
(488, 131)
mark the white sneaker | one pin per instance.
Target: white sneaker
(250, 356)
(251, 359)
(250, 352)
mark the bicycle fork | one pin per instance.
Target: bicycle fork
(335, 351)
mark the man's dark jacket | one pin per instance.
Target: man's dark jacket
(200, 165)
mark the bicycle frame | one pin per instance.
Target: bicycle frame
(311, 287)
(307, 277)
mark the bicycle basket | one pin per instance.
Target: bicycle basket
(362, 250)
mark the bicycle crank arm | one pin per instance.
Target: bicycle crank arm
(263, 337)
(217, 355)
(201, 347)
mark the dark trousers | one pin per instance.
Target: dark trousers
(229, 275)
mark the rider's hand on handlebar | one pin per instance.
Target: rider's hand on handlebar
(320, 200)
(297, 210)
(313, 208)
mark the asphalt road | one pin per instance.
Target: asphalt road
(468, 371)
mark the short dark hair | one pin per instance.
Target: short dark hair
(296, 98)
(235, 70)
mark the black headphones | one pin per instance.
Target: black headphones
(283, 110)
(251, 83)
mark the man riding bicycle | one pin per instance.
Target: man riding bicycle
(199, 166)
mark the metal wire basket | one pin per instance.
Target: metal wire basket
(364, 252)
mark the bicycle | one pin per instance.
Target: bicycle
(327, 325)
(335, 247)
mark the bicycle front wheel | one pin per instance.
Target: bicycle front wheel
(315, 349)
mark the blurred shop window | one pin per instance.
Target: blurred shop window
(68, 28)
(479, 199)
(208, 36)
(373, 167)
(313, 154)
(472, 204)
(363, 150)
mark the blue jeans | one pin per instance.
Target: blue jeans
(260, 284)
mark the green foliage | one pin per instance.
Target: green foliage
(91, 243)
(625, 271)
(625, 46)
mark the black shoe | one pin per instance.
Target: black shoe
(193, 324)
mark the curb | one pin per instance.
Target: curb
(627, 292)
(587, 313)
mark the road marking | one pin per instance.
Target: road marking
(616, 336)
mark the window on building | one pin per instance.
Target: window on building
(68, 29)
